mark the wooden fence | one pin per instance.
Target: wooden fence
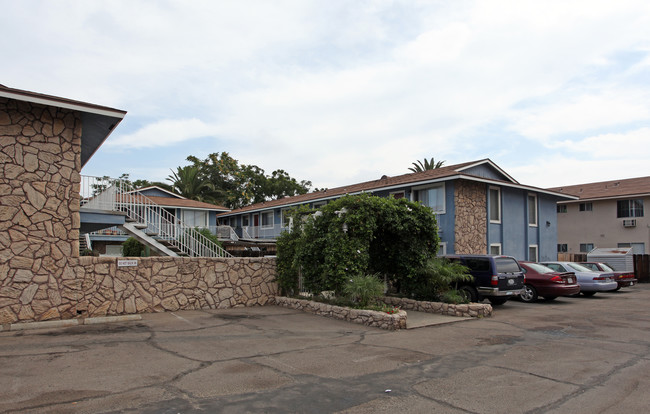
(642, 267)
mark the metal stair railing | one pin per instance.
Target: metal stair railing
(118, 195)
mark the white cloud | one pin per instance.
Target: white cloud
(163, 133)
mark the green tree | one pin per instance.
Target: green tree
(356, 235)
(420, 166)
(236, 185)
(188, 182)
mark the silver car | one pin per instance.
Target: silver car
(590, 282)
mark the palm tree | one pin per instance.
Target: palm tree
(187, 181)
(427, 165)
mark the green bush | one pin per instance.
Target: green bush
(364, 289)
(359, 234)
(208, 235)
(438, 276)
(132, 248)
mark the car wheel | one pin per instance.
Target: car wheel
(618, 288)
(468, 293)
(588, 294)
(529, 295)
(550, 298)
(497, 301)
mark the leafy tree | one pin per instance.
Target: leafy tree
(356, 235)
(236, 185)
(188, 182)
(426, 165)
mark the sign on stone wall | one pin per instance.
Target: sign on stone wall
(127, 263)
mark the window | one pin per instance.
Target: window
(562, 248)
(495, 205)
(586, 207)
(245, 221)
(286, 220)
(495, 248)
(532, 253)
(532, 210)
(433, 197)
(267, 219)
(320, 204)
(561, 208)
(586, 247)
(442, 249)
(195, 218)
(397, 195)
(629, 208)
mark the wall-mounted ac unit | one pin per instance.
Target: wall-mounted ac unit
(629, 223)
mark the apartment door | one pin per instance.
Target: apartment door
(256, 225)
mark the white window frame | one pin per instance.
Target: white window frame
(262, 214)
(587, 250)
(535, 221)
(185, 221)
(498, 246)
(283, 212)
(498, 190)
(414, 192)
(536, 258)
(442, 249)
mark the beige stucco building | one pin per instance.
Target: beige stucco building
(608, 214)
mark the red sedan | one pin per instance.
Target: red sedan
(545, 282)
(624, 279)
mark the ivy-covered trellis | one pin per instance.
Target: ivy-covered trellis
(356, 235)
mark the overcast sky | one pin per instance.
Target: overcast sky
(340, 92)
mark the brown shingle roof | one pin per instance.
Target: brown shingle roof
(184, 202)
(608, 189)
(383, 183)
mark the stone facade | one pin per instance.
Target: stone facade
(40, 154)
(42, 276)
(470, 199)
(381, 320)
(474, 310)
(97, 286)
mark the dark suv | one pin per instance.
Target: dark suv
(497, 278)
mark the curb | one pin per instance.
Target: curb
(25, 326)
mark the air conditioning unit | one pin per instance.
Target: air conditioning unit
(629, 223)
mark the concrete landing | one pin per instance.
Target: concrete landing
(421, 319)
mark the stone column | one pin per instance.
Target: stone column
(40, 157)
(471, 217)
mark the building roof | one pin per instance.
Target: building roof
(632, 187)
(98, 121)
(385, 183)
(186, 203)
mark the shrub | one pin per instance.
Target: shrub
(438, 276)
(359, 234)
(132, 248)
(208, 235)
(364, 289)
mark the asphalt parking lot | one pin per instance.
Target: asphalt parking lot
(572, 355)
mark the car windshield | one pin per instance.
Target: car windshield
(540, 268)
(506, 265)
(606, 267)
(579, 267)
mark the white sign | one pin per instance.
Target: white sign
(127, 263)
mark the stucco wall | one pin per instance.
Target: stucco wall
(470, 199)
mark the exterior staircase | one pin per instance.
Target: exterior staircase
(147, 222)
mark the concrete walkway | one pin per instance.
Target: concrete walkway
(416, 319)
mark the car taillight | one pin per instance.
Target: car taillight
(627, 276)
(557, 279)
(495, 280)
(602, 278)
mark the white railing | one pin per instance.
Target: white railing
(103, 193)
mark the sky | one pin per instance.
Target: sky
(340, 92)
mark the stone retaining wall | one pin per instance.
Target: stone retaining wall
(475, 310)
(381, 320)
(96, 286)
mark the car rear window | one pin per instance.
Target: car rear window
(478, 265)
(539, 268)
(506, 265)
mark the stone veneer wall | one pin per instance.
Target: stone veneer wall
(470, 200)
(381, 320)
(474, 310)
(40, 155)
(96, 286)
(41, 275)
